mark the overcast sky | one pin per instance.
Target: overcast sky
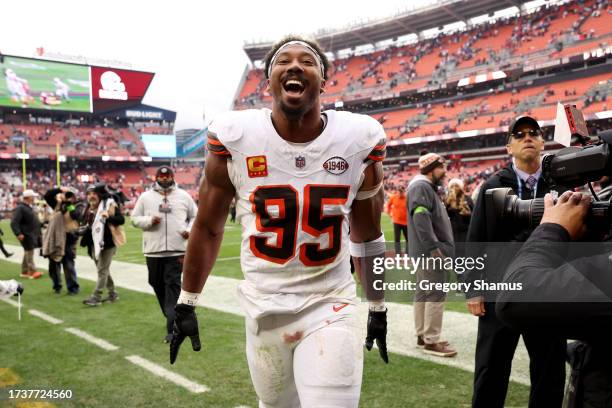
(195, 48)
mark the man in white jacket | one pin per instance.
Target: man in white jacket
(165, 213)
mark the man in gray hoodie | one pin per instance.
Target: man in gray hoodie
(165, 213)
(430, 235)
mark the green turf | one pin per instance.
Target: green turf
(228, 264)
(40, 75)
(45, 356)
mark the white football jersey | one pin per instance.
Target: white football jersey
(293, 201)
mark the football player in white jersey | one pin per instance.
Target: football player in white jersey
(300, 178)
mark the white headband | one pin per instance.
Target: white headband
(302, 43)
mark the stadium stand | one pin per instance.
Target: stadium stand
(471, 83)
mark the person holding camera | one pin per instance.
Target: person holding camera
(60, 237)
(165, 213)
(102, 217)
(565, 296)
(496, 342)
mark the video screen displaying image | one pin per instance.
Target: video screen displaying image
(160, 145)
(37, 84)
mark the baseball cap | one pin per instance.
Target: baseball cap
(29, 193)
(164, 171)
(430, 161)
(519, 121)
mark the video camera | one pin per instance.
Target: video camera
(570, 167)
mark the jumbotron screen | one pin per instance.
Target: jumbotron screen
(160, 145)
(38, 84)
(30, 83)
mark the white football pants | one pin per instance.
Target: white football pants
(312, 359)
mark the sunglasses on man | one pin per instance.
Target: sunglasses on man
(531, 132)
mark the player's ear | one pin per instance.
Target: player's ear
(323, 82)
(268, 85)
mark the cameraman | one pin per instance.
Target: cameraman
(577, 300)
(61, 250)
(165, 213)
(573, 298)
(496, 342)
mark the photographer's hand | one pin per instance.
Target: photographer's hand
(475, 306)
(569, 212)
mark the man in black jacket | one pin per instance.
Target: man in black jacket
(496, 343)
(566, 295)
(26, 227)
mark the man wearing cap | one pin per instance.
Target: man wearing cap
(496, 342)
(101, 213)
(165, 213)
(26, 227)
(429, 235)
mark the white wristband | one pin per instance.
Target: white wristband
(377, 305)
(188, 298)
(372, 248)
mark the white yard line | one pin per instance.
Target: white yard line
(45, 317)
(10, 301)
(103, 344)
(229, 258)
(167, 375)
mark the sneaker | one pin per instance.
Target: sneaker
(421, 342)
(440, 350)
(9, 254)
(72, 292)
(35, 275)
(57, 291)
(92, 301)
(25, 274)
(111, 298)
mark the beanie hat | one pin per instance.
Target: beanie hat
(430, 161)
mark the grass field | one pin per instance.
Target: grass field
(44, 356)
(228, 264)
(40, 75)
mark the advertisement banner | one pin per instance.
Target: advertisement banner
(117, 88)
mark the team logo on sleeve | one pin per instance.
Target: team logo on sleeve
(300, 162)
(257, 166)
(336, 165)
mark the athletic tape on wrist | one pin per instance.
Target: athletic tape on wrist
(188, 298)
(372, 248)
(364, 195)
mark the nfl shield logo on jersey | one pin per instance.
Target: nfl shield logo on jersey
(300, 162)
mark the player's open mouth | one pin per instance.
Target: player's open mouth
(294, 87)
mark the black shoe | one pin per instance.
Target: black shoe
(57, 291)
(111, 298)
(93, 300)
(168, 338)
(72, 292)
(9, 254)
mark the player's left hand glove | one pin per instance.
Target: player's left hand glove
(377, 330)
(185, 325)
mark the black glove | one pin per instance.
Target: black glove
(377, 330)
(19, 290)
(185, 325)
